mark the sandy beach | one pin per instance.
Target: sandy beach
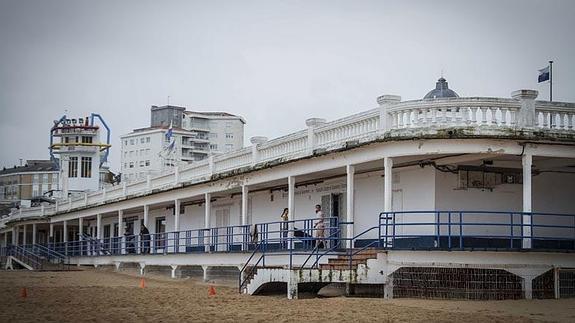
(99, 296)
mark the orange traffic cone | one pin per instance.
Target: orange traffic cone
(142, 283)
(211, 291)
(23, 292)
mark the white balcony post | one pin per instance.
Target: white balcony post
(387, 187)
(176, 174)
(51, 235)
(65, 236)
(99, 232)
(256, 142)
(15, 236)
(291, 207)
(526, 116)
(146, 214)
(207, 210)
(207, 219)
(24, 236)
(527, 161)
(350, 170)
(177, 204)
(385, 102)
(121, 230)
(34, 232)
(312, 124)
(245, 193)
(149, 182)
(80, 228)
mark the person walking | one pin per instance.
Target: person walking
(145, 238)
(319, 228)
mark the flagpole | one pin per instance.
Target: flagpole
(550, 81)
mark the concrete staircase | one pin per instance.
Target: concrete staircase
(367, 268)
(342, 262)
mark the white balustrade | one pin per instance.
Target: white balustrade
(522, 111)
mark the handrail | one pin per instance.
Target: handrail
(245, 279)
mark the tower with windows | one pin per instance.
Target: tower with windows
(76, 148)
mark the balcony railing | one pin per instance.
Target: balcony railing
(411, 230)
(392, 118)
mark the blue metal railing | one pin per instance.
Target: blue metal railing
(450, 230)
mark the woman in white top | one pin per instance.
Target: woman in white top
(319, 228)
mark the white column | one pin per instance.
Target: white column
(99, 226)
(65, 231)
(208, 210)
(51, 237)
(34, 233)
(291, 197)
(527, 161)
(387, 187)
(245, 193)
(350, 170)
(121, 231)
(80, 228)
(207, 220)
(146, 214)
(177, 204)
(24, 235)
(291, 208)
(120, 223)
(6, 239)
(15, 236)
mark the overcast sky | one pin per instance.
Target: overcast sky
(276, 63)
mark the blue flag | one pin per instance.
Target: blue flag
(169, 133)
(543, 75)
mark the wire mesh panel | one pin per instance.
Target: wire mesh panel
(566, 283)
(543, 286)
(458, 283)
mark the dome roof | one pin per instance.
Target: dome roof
(441, 91)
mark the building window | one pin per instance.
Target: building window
(35, 179)
(132, 142)
(141, 163)
(35, 190)
(45, 178)
(147, 139)
(86, 167)
(147, 151)
(86, 140)
(73, 167)
(229, 147)
(229, 136)
(142, 140)
(131, 164)
(125, 142)
(214, 147)
(147, 163)
(54, 181)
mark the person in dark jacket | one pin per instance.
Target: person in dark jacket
(145, 238)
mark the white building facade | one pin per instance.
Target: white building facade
(471, 186)
(197, 135)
